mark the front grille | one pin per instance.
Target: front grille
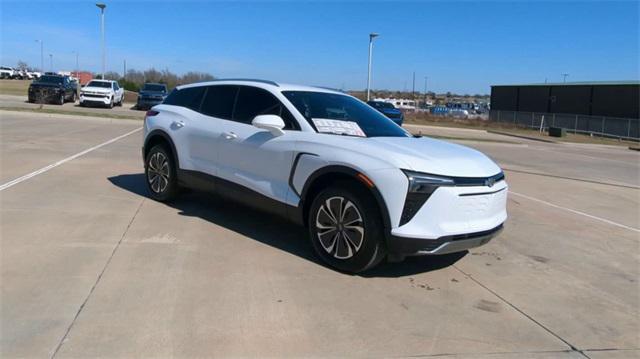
(93, 95)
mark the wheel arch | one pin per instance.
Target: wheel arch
(325, 176)
(156, 137)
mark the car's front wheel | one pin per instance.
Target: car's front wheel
(160, 173)
(346, 228)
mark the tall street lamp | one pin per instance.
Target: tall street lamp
(426, 79)
(41, 55)
(102, 6)
(564, 77)
(372, 36)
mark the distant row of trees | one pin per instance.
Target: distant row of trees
(134, 79)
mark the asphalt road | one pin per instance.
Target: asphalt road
(92, 267)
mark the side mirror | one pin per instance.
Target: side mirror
(271, 123)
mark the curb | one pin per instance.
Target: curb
(522, 136)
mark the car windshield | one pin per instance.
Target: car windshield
(103, 84)
(154, 87)
(381, 104)
(50, 79)
(344, 115)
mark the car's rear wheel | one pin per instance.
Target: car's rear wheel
(346, 228)
(160, 174)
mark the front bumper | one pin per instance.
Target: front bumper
(48, 95)
(453, 219)
(148, 102)
(95, 99)
(442, 245)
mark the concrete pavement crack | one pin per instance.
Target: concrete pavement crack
(113, 252)
(573, 348)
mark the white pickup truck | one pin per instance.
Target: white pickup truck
(6, 72)
(102, 92)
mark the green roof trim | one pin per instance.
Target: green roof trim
(577, 83)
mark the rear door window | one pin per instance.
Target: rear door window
(190, 97)
(253, 101)
(219, 101)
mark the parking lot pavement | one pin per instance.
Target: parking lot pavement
(91, 267)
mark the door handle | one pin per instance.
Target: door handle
(178, 124)
(230, 135)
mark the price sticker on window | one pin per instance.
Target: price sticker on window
(338, 127)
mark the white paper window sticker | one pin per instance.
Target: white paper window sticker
(339, 127)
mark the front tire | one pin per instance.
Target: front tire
(111, 103)
(346, 229)
(61, 99)
(160, 174)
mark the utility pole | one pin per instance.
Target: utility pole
(41, 56)
(372, 36)
(413, 89)
(51, 62)
(426, 78)
(124, 72)
(564, 78)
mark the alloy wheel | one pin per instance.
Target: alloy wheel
(158, 172)
(340, 228)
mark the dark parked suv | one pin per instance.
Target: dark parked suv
(53, 88)
(151, 95)
(388, 110)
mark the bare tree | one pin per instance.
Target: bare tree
(22, 66)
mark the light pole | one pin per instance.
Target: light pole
(41, 55)
(564, 78)
(426, 78)
(372, 36)
(102, 6)
(51, 62)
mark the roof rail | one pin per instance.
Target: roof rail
(252, 80)
(330, 88)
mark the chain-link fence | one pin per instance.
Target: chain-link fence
(623, 128)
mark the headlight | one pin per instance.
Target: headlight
(421, 186)
(426, 183)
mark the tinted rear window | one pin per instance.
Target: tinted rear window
(219, 101)
(190, 97)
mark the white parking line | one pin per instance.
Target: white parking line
(576, 212)
(53, 165)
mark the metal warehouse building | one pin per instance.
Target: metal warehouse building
(603, 108)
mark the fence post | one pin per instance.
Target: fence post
(553, 120)
(629, 128)
(602, 132)
(575, 125)
(515, 117)
(533, 120)
(499, 115)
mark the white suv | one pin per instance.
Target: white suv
(365, 188)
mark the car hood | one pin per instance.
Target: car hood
(96, 89)
(152, 93)
(424, 154)
(393, 111)
(44, 84)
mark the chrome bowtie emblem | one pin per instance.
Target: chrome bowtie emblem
(489, 182)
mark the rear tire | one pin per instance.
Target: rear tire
(345, 228)
(61, 99)
(160, 174)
